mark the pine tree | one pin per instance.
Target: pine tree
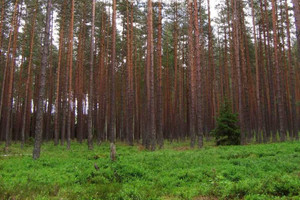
(91, 96)
(45, 54)
(227, 131)
(112, 128)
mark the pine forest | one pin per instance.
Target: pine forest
(123, 99)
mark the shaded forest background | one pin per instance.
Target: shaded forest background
(162, 73)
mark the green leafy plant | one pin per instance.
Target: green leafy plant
(227, 131)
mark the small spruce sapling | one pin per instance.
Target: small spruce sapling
(227, 131)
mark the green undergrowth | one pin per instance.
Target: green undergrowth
(268, 171)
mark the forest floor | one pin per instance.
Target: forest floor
(267, 171)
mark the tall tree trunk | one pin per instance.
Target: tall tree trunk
(198, 79)
(20, 93)
(150, 74)
(160, 139)
(192, 74)
(297, 22)
(174, 115)
(211, 73)
(112, 124)
(91, 95)
(292, 82)
(50, 89)
(70, 65)
(6, 69)
(239, 68)
(278, 72)
(1, 23)
(28, 77)
(45, 54)
(80, 77)
(258, 101)
(58, 77)
(129, 88)
(65, 87)
(11, 76)
(102, 83)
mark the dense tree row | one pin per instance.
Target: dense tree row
(108, 68)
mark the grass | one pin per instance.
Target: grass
(268, 171)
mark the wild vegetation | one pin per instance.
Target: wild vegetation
(269, 171)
